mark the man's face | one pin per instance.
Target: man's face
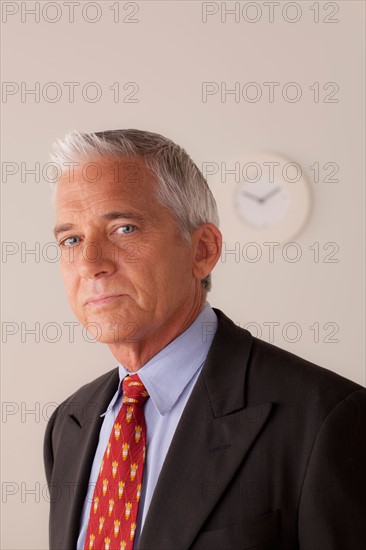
(126, 271)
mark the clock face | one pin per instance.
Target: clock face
(262, 204)
(271, 199)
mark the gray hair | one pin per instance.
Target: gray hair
(181, 187)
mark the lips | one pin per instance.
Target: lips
(101, 299)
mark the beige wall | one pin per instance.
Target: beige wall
(168, 52)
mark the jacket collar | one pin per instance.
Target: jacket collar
(215, 432)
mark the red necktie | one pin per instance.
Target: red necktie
(113, 512)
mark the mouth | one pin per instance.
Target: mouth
(101, 300)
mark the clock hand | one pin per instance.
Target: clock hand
(270, 194)
(250, 196)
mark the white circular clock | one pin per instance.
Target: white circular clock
(272, 199)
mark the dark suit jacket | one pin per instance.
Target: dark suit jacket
(268, 454)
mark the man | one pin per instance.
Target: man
(236, 443)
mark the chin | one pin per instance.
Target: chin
(111, 332)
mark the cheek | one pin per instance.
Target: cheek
(175, 271)
(69, 279)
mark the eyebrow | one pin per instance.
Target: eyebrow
(110, 216)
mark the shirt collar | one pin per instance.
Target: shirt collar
(167, 373)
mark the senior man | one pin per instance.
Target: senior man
(203, 437)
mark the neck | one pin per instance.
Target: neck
(133, 355)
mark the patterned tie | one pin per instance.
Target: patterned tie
(113, 512)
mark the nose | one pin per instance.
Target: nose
(96, 260)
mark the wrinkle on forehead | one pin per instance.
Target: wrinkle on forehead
(72, 200)
(81, 195)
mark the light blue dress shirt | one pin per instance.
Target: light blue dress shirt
(169, 378)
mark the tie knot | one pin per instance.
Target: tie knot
(134, 391)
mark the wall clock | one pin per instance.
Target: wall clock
(272, 200)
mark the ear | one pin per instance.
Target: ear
(207, 241)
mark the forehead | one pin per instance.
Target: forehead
(95, 182)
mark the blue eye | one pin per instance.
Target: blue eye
(128, 227)
(67, 242)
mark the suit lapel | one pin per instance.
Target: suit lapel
(214, 434)
(76, 455)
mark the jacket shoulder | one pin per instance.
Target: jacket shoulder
(280, 362)
(276, 375)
